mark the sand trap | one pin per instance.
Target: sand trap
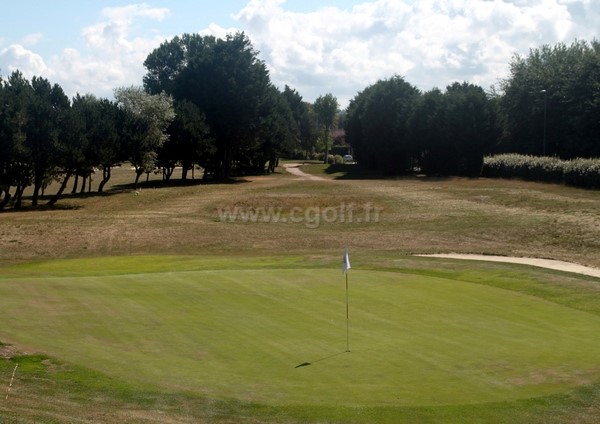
(543, 263)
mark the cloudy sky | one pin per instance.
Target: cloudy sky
(316, 47)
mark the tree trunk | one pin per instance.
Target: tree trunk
(36, 193)
(19, 196)
(83, 180)
(63, 185)
(106, 171)
(75, 184)
(168, 172)
(6, 199)
(138, 174)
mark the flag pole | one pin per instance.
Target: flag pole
(345, 267)
(347, 318)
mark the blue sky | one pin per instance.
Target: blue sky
(317, 47)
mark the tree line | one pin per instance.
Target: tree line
(205, 102)
(208, 102)
(549, 105)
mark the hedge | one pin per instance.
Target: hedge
(576, 172)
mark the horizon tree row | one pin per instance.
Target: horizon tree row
(46, 137)
(219, 112)
(549, 106)
(231, 119)
(209, 102)
(550, 103)
(395, 129)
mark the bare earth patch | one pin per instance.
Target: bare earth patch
(294, 169)
(8, 351)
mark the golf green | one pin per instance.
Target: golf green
(278, 336)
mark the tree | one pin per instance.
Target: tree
(551, 101)
(428, 127)
(70, 147)
(223, 78)
(100, 142)
(46, 110)
(304, 128)
(470, 126)
(151, 116)
(277, 131)
(189, 143)
(326, 108)
(15, 158)
(378, 126)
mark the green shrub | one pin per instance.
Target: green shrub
(577, 172)
(335, 159)
(582, 173)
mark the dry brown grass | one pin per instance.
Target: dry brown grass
(418, 216)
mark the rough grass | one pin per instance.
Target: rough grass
(418, 216)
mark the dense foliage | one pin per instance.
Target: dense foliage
(396, 129)
(551, 102)
(247, 122)
(45, 137)
(579, 172)
(210, 103)
(206, 102)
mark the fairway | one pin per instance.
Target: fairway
(241, 334)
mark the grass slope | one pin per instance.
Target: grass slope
(423, 346)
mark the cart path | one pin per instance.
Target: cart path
(543, 263)
(294, 169)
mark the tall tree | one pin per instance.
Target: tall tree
(304, 128)
(551, 101)
(428, 127)
(189, 143)
(277, 131)
(15, 159)
(70, 149)
(470, 126)
(151, 116)
(227, 82)
(326, 109)
(378, 125)
(45, 113)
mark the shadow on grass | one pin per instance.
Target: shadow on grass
(306, 364)
(356, 172)
(113, 190)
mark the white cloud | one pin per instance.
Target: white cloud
(341, 51)
(114, 54)
(16, 57)
(218, 31)
(431, 42)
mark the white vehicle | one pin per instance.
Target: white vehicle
(348, 159)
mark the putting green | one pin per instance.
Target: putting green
(241, 334)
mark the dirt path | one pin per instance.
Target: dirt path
(543, 263)
(294, 169)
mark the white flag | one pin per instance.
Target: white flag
(346, 262)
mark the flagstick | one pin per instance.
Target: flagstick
(347, 318)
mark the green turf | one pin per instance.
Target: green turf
(416, 341)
